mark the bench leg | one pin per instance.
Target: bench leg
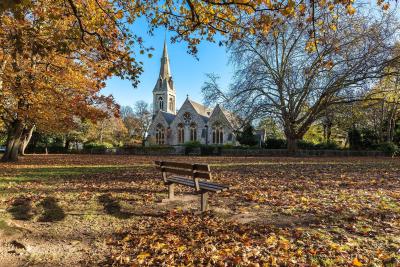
(204, 201)
(171, 188)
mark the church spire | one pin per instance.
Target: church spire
(164, 92)
(165, 72)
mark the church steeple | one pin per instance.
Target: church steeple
(164, 91)
(165, 72)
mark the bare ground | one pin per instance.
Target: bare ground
(88, 210)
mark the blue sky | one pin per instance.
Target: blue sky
(188, 72)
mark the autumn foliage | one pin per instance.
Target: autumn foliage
(56, 55)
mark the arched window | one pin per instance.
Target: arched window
(160, 135)
(193, 132)
(187, 117)
(161, 103)
(171, 104)
(181, 133)
(217, 134)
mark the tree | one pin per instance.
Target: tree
(271, 128)
(286, 75)
(247, 136)
(130, 121)
(42, 39)
(53, 65)
(143, 116)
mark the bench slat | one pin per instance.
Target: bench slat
(204, 175)
(203, 186)
(210, 184)
(198, 167)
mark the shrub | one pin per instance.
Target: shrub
(330, 145)
(388, 148)
(247, 137)
(369, 139)
(355, 139)
(228, 146)
(94, 145)
(273, 143)
(192, 144)
(207, 150)
(302, 144)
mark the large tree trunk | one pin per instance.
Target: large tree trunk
(25, 138)
(292, 144)
(13, 141)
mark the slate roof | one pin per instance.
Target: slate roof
(203, 111)
(169, 117)
(232, 118)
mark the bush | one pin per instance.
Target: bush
(369, 139)
(302, 144)
(355, 139)
(330, 145)
(247, 137)
(273, 143)
(207, 150)
(388, 148)
(94, 145)
(228, 146)
(192, 144)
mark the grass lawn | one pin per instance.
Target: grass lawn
(85, 210)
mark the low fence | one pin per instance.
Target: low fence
(218, 151)
(214, 151)
(301, 153)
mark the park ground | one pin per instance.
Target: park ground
(104, 210)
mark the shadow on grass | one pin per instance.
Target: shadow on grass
(52, 212)
(112, 207)
(21, 209)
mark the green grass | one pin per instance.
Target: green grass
(21, 175)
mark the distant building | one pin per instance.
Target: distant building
(192, 122)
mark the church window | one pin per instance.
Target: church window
(217, 134)
(160, 135)
(161, 103)
(193, 132)
(181, 133)
(171, 104)
(187, 117)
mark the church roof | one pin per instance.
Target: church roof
(232, 119)
(169, 117)
(201, 109)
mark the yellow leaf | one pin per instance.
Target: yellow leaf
(302, 8)
(350, 9)
(356, 262)
(142, 256)
(181, 248)
(119, 14)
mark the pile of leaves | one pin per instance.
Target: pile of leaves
(190, 239)
(106, 210)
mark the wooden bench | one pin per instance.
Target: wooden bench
(189, 175)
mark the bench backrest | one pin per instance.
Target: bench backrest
(195, 171)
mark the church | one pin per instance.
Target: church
(192, 122)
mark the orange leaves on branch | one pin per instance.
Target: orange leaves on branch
(350, 9)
